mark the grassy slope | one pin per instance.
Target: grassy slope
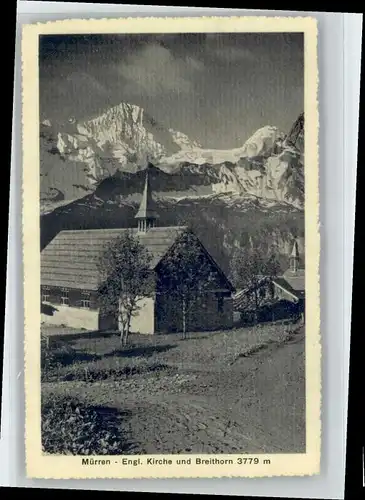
(223, 392)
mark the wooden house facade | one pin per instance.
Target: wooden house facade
(279, 297)
(291, 285)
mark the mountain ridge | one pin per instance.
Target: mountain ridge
(77, 157)
(95, 173)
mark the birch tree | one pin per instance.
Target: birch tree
(126, 279)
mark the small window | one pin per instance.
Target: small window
(85, 300)
(45, 294)
(65, 301)
(85, 303)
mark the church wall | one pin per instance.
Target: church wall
(72, 317)
(108, 321)
(144, 321)
(167, 313)
(53, 294)
(212, 313)
(207, 313)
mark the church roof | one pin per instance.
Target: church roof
(293, 282)
(70, 259)
(296, 279)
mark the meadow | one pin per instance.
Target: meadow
(232, 391)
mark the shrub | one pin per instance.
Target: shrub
(53, 358)
(71, 428)
(97, 372)
(47, 356)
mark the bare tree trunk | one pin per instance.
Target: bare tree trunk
(126, 333)
(122, 334)
(256, 306)
(184, 317)
(123, 324)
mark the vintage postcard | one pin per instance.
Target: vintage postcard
(171, 247)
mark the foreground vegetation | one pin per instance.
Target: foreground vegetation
(71, 427)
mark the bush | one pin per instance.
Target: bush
(71, 428)
(53, 358)
(47, 356)
(99, 371)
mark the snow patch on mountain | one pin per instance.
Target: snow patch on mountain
(260, 143)
(77, 156)
(183, 141)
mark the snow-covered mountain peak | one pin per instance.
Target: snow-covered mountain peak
(261, 142)
(77, 156)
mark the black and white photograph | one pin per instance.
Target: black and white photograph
(172, 281)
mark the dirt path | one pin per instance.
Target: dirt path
(254, 404)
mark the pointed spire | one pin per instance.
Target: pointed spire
(147, 213)
(294, 257)
(295, 251)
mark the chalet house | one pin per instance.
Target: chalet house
(70, 280)
(279, 297)
(291, 285)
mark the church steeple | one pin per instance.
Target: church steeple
(294, 257)
(147, 214)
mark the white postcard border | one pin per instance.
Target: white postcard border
(46, 466)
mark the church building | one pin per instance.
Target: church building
(70, 280)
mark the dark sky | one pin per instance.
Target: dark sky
(217, 88)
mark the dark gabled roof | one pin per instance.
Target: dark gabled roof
(293, 282)
(222, 275)
(70, 260)
(296, 279)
